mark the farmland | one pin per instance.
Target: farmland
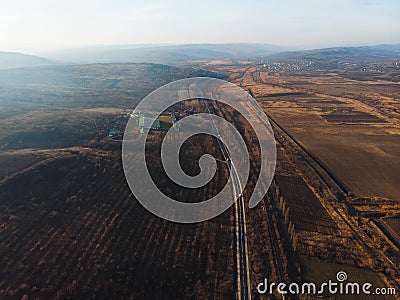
(43, 236)
(337, 144)
(320, 272)
(71, 228)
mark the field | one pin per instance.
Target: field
(363, 141)
(305, 209)
(339, 137)
(394, 223)
(391, 227)
(71, 228)
(15, 162)
(319, 272)
(126, 249)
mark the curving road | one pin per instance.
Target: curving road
(244, 291)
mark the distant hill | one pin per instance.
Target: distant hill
(165, 54)
(18, 60)
(185, 54)
(348, 54)
(104, 76)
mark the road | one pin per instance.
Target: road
(244, 291)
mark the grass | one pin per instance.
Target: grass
(319, 272)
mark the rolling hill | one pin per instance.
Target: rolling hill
(19, 60)
(366, 53)
(164, 54)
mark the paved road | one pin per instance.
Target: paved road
(242, 258)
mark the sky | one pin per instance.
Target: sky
(40, 25)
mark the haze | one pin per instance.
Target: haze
(34, 26)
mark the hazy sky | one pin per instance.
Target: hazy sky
(36, 25)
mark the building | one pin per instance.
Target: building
(163, 122)
(166, 121)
